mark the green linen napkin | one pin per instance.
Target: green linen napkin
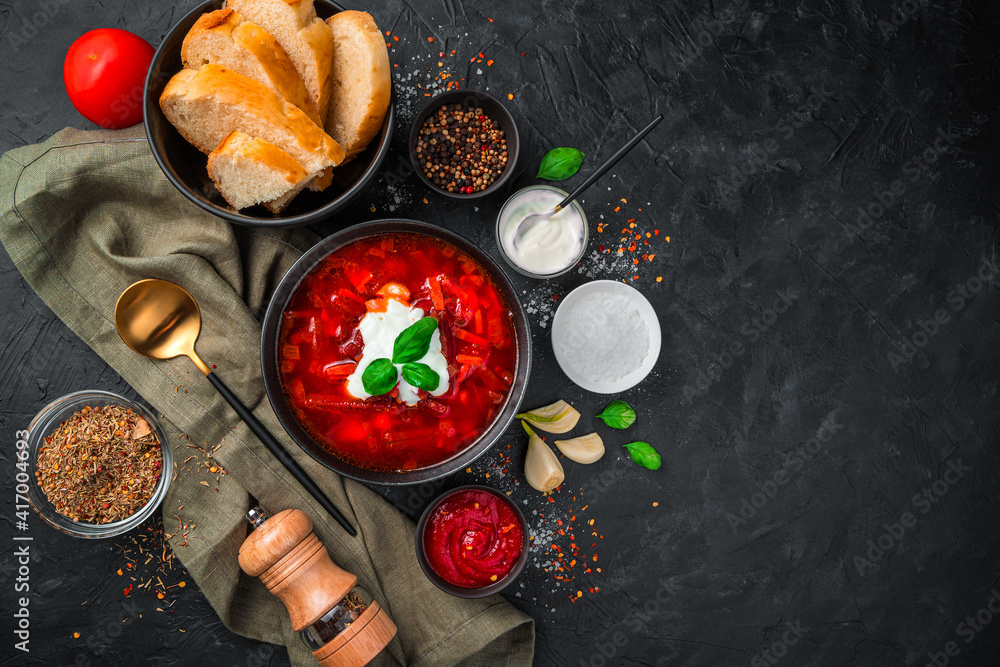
(86, 214)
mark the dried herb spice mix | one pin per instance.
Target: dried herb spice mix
(101, 465)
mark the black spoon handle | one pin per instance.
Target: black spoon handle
(279, 452)
(610, 162)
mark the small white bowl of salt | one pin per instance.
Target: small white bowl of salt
(606, 336)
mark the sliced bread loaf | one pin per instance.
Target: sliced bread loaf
(304, 37)
(249, 171)
(222, 37)
(361, 81)
(207, 105)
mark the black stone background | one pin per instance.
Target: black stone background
(680, 584)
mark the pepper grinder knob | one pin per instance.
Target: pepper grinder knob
(337, 619)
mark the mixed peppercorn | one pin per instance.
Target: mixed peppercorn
(461, 149)
(100, 465)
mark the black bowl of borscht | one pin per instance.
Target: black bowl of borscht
(395, 352)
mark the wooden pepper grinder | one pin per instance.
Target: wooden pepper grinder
(337, 619)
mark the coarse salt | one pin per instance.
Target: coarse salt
(605, 338)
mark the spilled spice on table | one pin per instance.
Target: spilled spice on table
(149, 565)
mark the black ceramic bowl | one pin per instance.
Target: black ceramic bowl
(472, 99)
(272, 381)
(459, 591)
(185, 165)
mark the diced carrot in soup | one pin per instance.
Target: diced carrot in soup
(338, 370)
(396, 291)
(359, 276)
(470, 337)
(437, 297)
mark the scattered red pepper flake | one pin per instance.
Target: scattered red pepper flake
(430, 39)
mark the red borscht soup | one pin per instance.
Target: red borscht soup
(371, 283)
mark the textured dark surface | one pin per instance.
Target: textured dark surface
(782, 119)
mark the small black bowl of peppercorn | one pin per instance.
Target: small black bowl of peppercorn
(464, 144)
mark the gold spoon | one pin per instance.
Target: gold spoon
(160, 320)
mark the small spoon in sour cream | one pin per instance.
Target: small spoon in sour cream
(533, 220)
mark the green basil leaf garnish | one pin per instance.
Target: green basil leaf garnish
(559, 164)
(644, 454)
(380, 377)
(618, 414)
(412, 344)
(421, 376)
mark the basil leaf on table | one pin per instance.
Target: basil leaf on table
(644, 454)
(618, 414)
(412, 344)
(380, 377)
(559, 164)
(421, 376)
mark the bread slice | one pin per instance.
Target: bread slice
(207, 105)
(249, 171)
(361, 85)
(304, 37)
(361, 81)
(222, 37)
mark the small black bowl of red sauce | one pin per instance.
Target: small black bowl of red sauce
(472, 541)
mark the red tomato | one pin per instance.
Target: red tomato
(105, 71)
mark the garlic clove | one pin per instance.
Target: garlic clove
(542, 469)
(583, 449)
(560, 417)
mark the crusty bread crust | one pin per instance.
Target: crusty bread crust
(362, 83)
(207, 105)
(248, 171)
(304, 37)
(222, 37)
